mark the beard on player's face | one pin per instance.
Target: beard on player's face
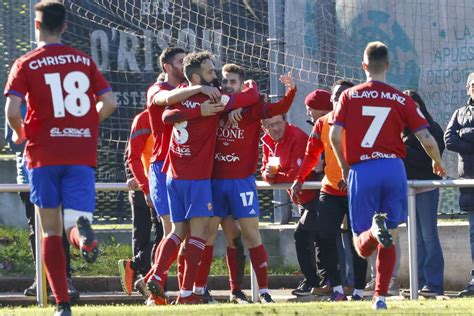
(213, 83)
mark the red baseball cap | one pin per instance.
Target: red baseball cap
(319, 100)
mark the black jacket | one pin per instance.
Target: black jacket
(459, 137)
(417, 162)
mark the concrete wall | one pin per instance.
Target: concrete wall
(12, 211)
(279, 243)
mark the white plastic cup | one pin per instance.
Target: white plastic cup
(274, 163)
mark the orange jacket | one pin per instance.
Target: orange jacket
(317, 143)
(140, 147)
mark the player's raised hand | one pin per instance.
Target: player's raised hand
(439, 169)
(209, 108)
(287, 80)
(235, 115)
(212, 92)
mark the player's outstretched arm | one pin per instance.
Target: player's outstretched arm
(164, 98)
(335, 137)
(431, 147)
(106, 105)
(13, 114)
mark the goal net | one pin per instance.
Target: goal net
(431, 45)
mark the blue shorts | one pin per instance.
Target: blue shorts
(157, 183)
(236, 197)
(377, 186)
(73, 186)
(189, 198)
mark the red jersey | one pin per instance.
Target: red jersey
(140, 146)
(290, 149)
(374, 115)
(193, 141)
(161, 132)
(60, 85)
(317, 143)
(236, 155)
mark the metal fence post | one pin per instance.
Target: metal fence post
(412, 255)
(41, 291)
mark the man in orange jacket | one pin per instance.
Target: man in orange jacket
(333, 205)
(144, 217)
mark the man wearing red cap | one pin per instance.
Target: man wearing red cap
(288, 142)
(333, 205)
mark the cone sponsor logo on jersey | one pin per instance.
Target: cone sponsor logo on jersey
(228, 132)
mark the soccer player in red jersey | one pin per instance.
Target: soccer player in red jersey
(374, 115)
(66, 98)
(159, 95)
(189, 166)
(233, 184)
(333, 205)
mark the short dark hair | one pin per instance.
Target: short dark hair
(192, 63)
(342, 82)
(236, 69)
(53, 16)
(377, 56)
(167, 55)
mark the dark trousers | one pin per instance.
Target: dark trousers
(30, 216)
(143, 220)
(306, 243)
(331, 211)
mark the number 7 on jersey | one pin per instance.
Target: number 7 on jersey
(380, 114)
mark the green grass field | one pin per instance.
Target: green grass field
(422, 307)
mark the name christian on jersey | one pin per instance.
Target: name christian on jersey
(228, 133)
(59, 60)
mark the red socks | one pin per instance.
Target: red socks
(366, 244)
(166, 255)
(194, 250)
(74, 237)
(233, 267)
(181, 267)
(55, 263)
(259, 258)
(204, 266)
(384, 264)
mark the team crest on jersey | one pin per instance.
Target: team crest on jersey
(209, 206)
